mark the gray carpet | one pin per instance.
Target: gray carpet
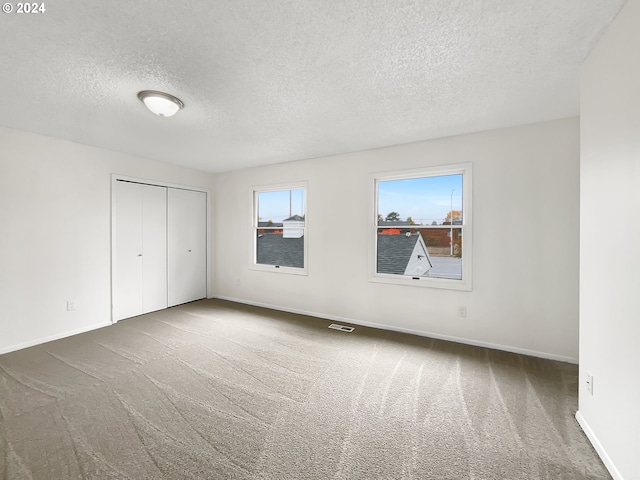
(218, 390)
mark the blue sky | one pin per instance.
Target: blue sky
(275, 206)
(425, 199)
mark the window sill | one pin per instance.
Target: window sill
(279, 269)
(441, 283)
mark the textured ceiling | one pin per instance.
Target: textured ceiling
(279, 80)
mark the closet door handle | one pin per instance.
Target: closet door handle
(139, 254)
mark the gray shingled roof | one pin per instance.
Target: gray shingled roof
(273, 249)
(394, 252)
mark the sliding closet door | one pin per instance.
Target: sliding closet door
(127, 264)
(139, 250)
(154, 248)
(187, 245)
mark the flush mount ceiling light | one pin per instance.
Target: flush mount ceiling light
(160, 103)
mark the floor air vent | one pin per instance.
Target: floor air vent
(342, 328)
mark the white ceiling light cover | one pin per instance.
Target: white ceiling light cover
(162, 104)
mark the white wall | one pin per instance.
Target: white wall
(55, 233)
(526, 193)
(55, 240)
(610, 253)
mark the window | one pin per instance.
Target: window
(421, 218)
(280, 228)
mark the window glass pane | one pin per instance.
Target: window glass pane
(419, 230)
(279, 205)
(276, 249)
(424, 200)
(281, 228)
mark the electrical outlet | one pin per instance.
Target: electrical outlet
(71, 305)
(590, 383)
(462, 311)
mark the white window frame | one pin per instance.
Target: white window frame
(466, 229)
(302, 185)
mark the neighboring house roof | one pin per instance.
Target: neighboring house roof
(274, 249)
(295, 218)
(403, 255)
(397, 254)
(267, 224)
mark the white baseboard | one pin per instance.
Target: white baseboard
(599, 448)
(51, 338)
(381, 326)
